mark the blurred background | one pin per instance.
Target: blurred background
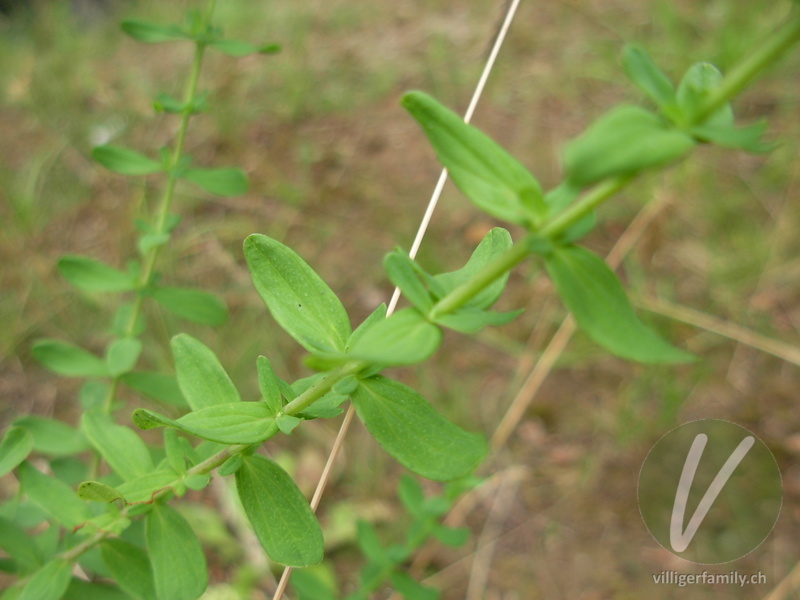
(340, 173)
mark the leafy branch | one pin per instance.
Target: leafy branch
(349, 363)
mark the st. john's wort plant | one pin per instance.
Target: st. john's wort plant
(128, 531)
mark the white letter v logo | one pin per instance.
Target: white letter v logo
(680, 539)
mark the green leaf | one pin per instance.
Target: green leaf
(623, 142)
(495, 242)
(287, 423)
(417, 436)
(296, 296)
(326, 407)
(52, 437)
(594, 295)
(91, 275)
(230, 466)
(193, 305)
(457, 487)
(68, 360)
(222, 182)
(376, 316)
(176, 557)
(20, 545)
(83, 590)
(69, 469)
(451, 536)
(122, 355)
(324, 361)
(48, 583)
(411, 589)
(175, 450)
(411, 495)
(647, 77)
(470, 320)
(485, 173)
(404, 338)
(110, 521)
(17, 444)
(125, 161)
(168, 104)
(120, 447)
(92, 394)
(436, 506)
(201, 377)
(234, 423)
(158, 386)
(94, 491)
(237, 48)
(122, 325)
(400, 269)
(152, 33)
(130, 568)
(143, 488)
(149, 241)
(572, 233)
(369, 544)
(744, 138)
(279, 514)
(54, 497)
(346, 385)
(197, 481)
(148, 419)
(694, 89)
(311, 585)
(268, 385)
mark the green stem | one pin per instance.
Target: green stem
(737, 79)
(751, 67)
(496, 268)
(201, 468)
(322, 387)
(580, 209)
(167, 196)
(503, 263)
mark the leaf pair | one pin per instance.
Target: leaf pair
(222, 182)
(312, 314)
(153, 33)
(622, 143)
(72, 361)
(410, 335)
(218, 413)
(172, 568)
(399, 418)
(685, 106)
(45, 436)
(275, 506)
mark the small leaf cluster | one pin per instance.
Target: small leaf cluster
(385, 565)
(399, 418)
(107, 514)
(616, 147)
(349, 362)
